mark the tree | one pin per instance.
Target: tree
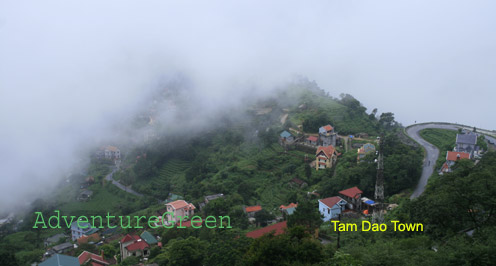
(263, 216)
(7, 258)
(308, 171)
(307, 215)
(129, 261)
(387, 120)
(189, 251)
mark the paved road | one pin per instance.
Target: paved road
(432, 153)
(109, 177)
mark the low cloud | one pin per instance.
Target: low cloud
(71, 72)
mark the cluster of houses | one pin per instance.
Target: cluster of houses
(465, 148)
(324, 143)
(349, 201)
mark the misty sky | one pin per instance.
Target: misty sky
(68, 69)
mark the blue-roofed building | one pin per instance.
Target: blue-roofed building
(149, 238)
(368, 205)
(286, 137)
(60, 260)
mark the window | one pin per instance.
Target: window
(328, 211)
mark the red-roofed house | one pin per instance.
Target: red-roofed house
(353, 196)
(277, 229)
(179, 208)
(331, 207)
(312, 140)
(325, 157)
(251, 210)
(133, 245)
(451, 158)
(92, 259)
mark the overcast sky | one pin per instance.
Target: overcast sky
(67, 69)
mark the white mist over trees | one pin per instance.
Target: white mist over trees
(71, 73)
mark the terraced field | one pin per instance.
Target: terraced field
(172, 171)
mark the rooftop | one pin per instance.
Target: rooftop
(253, 208)
(469, 138)
(328, 150)
(277, 228)
(454, 156)
(351, 192)
(179, 204)
(285, 134)
(60, 260)
(330, 202)
(149, 238)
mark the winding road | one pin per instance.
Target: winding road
(110, 178)
(431, 152)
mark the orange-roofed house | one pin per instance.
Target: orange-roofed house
(95, 237)
(288, 210)
(325, 157)
(251, 210)
(331, 207)
(353, 196)
(88, 258)
(277, 229)
(179, 208)
(451, 158)
(133, 245)
(327, 136)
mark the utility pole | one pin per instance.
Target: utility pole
(379, 184)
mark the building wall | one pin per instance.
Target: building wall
(330, 213)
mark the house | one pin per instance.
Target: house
(93, 238)
(85, 195)
(54, 239)
(451, 158)
(60, 260)
(133, 245)
(327, 136)
(331, 207)
(212, 197)
(288, 210)
(312, 140)
(277, 229)
(92, 259)
(286, 137)
(149, 238)
(62, 248)
(85, 229)
(364, 150)
(298, 182)
(109, 152)
(353, 197)
(179, 208)
(251, 210)
(325, 157)
(466, 143)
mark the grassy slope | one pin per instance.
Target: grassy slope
(443, 139)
